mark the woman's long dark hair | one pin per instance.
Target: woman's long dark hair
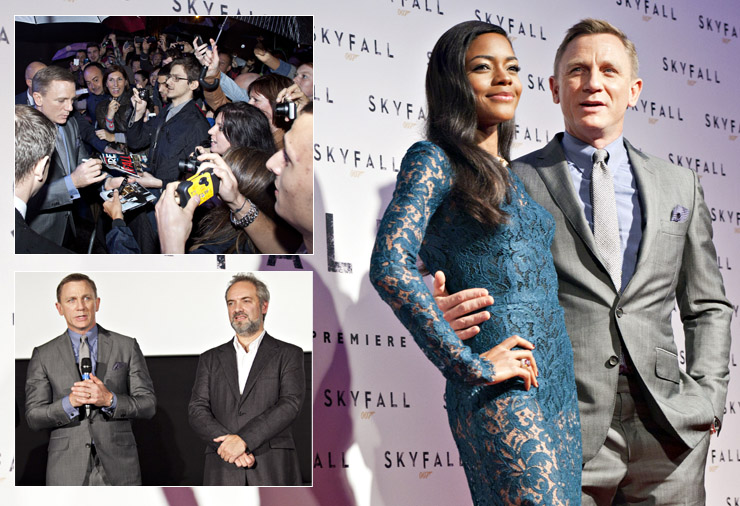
(121, 118)
(246, 126)
(256, 182)
(481, 182)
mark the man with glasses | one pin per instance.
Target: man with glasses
(172, 135)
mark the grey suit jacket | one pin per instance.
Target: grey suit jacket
(51, 374)
(50, 209)
(261, 415)
(676, 263)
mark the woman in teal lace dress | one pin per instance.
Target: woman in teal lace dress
(511, 393)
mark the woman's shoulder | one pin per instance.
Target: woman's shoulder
(427, 152)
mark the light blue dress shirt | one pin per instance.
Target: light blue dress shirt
(629, 212)
(92, 343)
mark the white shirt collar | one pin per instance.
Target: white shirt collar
(21, 206)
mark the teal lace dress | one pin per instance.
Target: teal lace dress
(517, 447)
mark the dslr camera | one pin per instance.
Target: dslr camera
(190, 164)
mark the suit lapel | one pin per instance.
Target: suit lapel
(67, 359)
(647, 186)
(264, 355)
(65, 146)
(554, 172)
(105, 348)
(227, 358)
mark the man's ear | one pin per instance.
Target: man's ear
(555, 89)
(40, 170)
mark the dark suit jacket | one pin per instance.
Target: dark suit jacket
(28, 241)
(169, 141)
(261, 416)
(121, 367)
(22, 98)
(50, 210)
(676, 263)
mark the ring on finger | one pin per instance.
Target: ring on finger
(525, 362)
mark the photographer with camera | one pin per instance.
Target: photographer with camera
(173, 136)
(293, 169)
(217, 232)
(263, 93)
(247, 223)
(170, 137)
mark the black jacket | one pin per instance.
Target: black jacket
(169, 141)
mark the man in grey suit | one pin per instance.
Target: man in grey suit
(50, 211)
(246, 395)
(91, 441)
(646, 424)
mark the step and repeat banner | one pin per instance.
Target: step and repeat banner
(380, 428)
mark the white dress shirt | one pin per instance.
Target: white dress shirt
(245, 360)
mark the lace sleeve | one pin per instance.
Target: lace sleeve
(423, 182)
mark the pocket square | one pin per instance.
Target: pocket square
(679, 214)
(119, 365)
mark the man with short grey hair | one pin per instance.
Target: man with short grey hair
(246, 395)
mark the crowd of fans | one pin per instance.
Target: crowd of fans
(187, 108)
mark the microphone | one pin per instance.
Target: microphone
(86, 369)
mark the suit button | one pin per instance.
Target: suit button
(59, 424)
(619, 312)
(87, 445)
(613, 360)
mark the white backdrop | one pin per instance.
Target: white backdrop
(381, 436)
(169, 313)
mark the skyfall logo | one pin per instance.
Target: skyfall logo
(353, 159)
(693, 72)
(364, 399)
(424, 6)
(657, 110)
(358, 339)
(721, 28)
(699, 165)
(513, 26)
(197, 8)
(721, 123)
(421, 459)
(398, 108)
(353, 43)
(649, 9)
